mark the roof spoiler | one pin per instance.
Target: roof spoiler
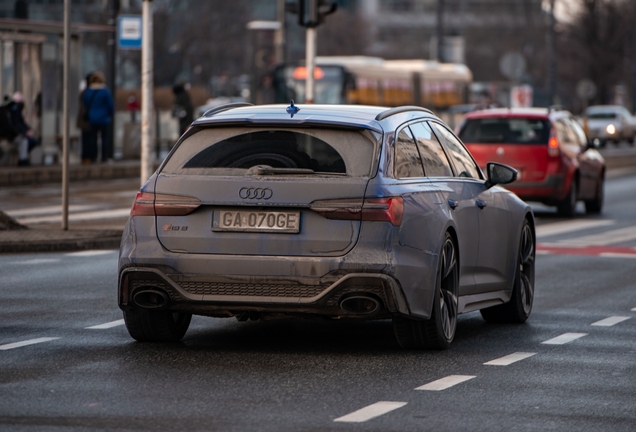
(401, 109)
(225, 107)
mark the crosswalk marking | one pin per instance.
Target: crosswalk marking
(50, 210)
(509, 359)
(570, 226)
(564, 338)
(107, 325)
(620, 235)
(26, 342)
(367, 413)
(610, 321)
(633, 309)
(444, 383)
(78, 217)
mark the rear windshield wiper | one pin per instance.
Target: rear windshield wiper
(266, 169)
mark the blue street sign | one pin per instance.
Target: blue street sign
(129, 31)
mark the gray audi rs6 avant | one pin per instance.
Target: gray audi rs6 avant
(333, 211)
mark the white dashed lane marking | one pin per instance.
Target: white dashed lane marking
(26, 342)
(90, 253)
(607, 322)
(107, 325)
(564, 338)
(633, 309)
(509, 359)
(37, 261)
(371, 411)
(444, 383)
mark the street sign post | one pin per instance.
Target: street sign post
(129, 32)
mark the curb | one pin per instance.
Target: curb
(100, 241)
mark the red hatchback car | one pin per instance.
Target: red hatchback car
(557, 166)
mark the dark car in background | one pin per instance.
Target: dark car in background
(557, 164)
(339, 212)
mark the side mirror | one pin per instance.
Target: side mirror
(500, 174)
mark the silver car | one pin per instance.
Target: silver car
(344, 212)
(609, 123)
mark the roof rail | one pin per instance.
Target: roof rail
(221, 108)
(401, 109)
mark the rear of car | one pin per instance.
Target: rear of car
(525, 141)
(556, 164)
(262, 221)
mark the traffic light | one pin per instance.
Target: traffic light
(311, 13)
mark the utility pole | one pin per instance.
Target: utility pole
(552, 65)
(147, 90)
(310, 64)
(112, 79)
(279, 37)
(65, 112)
(440, 30)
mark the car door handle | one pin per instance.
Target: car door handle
(481, 203)
(452, 204)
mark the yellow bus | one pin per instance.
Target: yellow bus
(375, 81)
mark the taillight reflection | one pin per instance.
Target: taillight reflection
(371, 209)
(149, 204)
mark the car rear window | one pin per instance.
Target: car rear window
(233, 151)
(602, 116)
(506, 131)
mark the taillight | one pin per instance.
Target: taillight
(373, 209)
(553, 145)
(149, 204)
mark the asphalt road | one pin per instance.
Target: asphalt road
(319, 375)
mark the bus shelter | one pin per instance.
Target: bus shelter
(31, 62)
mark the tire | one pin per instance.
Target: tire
(518, 309)
(438, 331)
(156, 326)
(595, 206)
(567, 207)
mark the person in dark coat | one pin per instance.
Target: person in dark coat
(89, 155)
(100, 110)
(182, 109)
(23, 133)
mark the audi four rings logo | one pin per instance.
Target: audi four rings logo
(256, 193)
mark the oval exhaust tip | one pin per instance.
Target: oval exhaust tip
(360, 304)
(151, 299)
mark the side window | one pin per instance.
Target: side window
(463, 162)
(565, 132)
(407, 158)
(581, 139)
(433, 157)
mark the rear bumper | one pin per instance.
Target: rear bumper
(234, 295)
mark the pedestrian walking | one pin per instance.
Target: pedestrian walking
(88, 155)
(182, 109)
(98, 105)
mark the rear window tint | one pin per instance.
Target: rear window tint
(232, 151)
(505, 131)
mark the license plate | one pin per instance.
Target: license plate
(256, 221)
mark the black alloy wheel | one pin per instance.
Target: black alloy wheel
(518, 309)
(438, 331)
(156, 325)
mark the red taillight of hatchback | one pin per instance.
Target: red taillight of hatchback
(372, 209)
(149, 204)
(553, 145)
